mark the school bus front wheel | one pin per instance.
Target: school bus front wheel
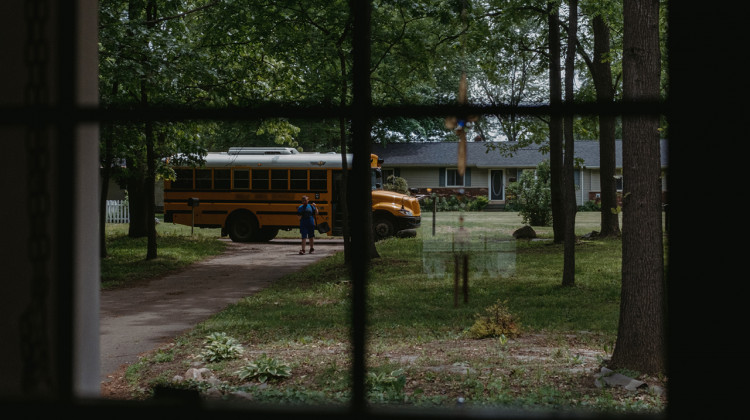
(383, 227)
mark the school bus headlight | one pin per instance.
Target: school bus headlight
(405, 212)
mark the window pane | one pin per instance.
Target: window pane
(221, 179)
(453, 179)
(260, 179)
(202, 179)
(318, 180)
(298, 179)
(279, 179)
(184, 180)
(241, 179)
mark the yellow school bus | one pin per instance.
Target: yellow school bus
(251, 193)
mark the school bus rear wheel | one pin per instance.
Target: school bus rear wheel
(266, 234)
(242, 227)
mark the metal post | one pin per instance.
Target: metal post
(456, 275)
(434, 210)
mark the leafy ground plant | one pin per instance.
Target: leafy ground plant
(219, 346)
(264, 368)
(497, 321)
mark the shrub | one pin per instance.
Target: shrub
(387, 386)
(478, 204)
(453, 203)
(534, 196)
(590, 206)
(497, 322)
(220, 346)
(396, 184)
(263, 369)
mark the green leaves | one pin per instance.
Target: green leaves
(263, 369)
(219, 346)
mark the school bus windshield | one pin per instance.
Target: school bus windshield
(376, 179)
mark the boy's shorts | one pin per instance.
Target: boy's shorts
(307, 230)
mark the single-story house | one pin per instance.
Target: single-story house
(433, 165)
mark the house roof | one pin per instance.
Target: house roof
(440, 154)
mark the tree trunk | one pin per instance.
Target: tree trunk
(149, 187)
(555, 125)
(569, 197)
(106, 174)
(150, 157)
(602, 75)
(137, 202)
(641, 338)
(343, 202)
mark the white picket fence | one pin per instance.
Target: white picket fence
(118, 211)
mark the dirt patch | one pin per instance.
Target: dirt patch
(566, 364)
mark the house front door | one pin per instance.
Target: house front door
(497, 190)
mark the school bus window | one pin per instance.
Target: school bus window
(183, 180)
(279, 179)
(202, 179)
(298, 179)
(241, 179)
(260, 179)
(221, 179)
(318, 179)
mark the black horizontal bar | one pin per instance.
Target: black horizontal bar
(11, 115)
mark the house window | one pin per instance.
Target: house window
(387, 173)
(453, 178)
(618, 183)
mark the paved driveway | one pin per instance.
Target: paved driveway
(139, 319)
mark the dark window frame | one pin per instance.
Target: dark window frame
(67, 29)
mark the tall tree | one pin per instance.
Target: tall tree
(556, 123)
(599, 64)
(641, 330)
(151, 252)
(601, 71)
(569, 206)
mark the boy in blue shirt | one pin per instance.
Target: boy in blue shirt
(306, 213)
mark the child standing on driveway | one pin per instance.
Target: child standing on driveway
(306, 213)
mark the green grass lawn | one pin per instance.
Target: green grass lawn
(420, 352)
